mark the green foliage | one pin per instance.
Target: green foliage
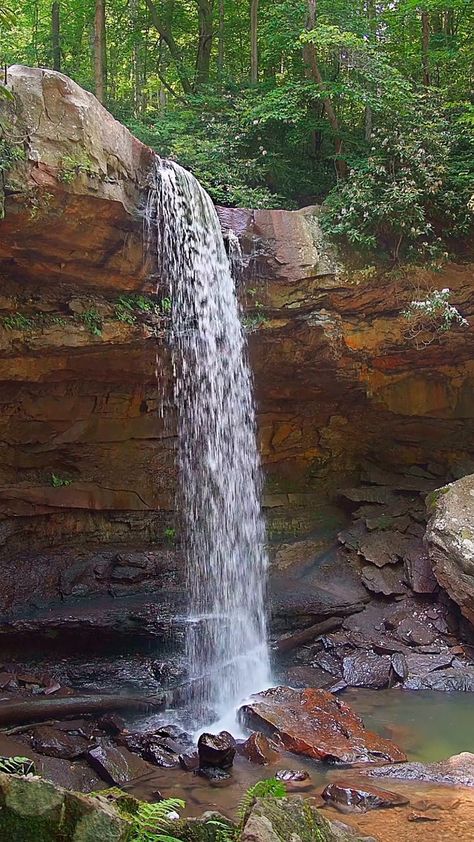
(398, 198)
(376, 99)
(58, 481)
(129, 305)
(92, 320)
(73, 165)
(170, 534)
(21, 321)
(17, 766)
(270, 786)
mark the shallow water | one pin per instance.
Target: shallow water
(428, 726)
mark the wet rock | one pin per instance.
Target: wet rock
(306, 676)
(460, 679)
(366, 669)
(399, 665)
(55, 743)
(291, 820)
(316, 724)
(157, 754)
(450, 541)
(111, 723)
(386, 580)
(34, 809)
(328, 662)
(415, 632)
(214, 775)
(294, 779)
(216, 750)
(116, 765)
(422, 817)
(259, 749)
(359, 798)
(419, 571)
(189, 762)
(457, 770)
(387, 547)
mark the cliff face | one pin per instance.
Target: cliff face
(87, 471)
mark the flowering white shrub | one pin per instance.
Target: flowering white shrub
(431, 315)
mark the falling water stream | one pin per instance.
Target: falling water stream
(219, 473)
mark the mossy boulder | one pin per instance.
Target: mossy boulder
(292, 820)
(35, 810)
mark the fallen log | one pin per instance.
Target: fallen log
(287, 644)
(36, 710)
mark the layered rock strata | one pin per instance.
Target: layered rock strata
(358, 418)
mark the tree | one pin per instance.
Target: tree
(206, 32)
(100, 55)
(254, 41)
(55, 35)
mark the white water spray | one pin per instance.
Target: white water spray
(220, 483)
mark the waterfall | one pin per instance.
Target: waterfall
(223, 533)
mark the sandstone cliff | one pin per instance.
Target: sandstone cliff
(346, 395)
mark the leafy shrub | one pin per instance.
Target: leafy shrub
(398, 199)
(92, 320)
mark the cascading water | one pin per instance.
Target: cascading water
(219, 487)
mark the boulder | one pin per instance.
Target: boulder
(457, 770)
(35, 810)
(450, 541)
(55, 743)
(316, 724)
(216, 750)
(292, 820)
(116, 765)
(259, 749)
(360, 797)
(366, 669)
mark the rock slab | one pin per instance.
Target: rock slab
(317, 724)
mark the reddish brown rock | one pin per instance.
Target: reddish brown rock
(317, 724)
(259, 749)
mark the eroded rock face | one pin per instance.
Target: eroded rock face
(450, 539)
(87, 467)
(317, 724)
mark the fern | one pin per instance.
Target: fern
(151, 822)
(270, 786)
(17, 766)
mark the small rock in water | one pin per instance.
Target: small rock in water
(360, 798)
(214, 775)
(294, 778)
(159, 756)
(216, 750)
(259, 749)
(422, 817)
(189, 762)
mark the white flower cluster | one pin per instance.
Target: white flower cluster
(436, 308)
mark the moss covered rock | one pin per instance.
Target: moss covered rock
(291, 820)
(35, 810)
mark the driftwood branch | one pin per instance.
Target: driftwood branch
(287, 644)
(35, 710)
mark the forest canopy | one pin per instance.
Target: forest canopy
(364, 105)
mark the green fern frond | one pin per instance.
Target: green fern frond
(270, 786)
(151, 822)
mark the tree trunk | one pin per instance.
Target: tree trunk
(254, 41)
(167, 36)
(36, 709)
(425, 46)
(220, 53)
(370, 11)
(313, 72)
(203, 60)
(100, 61)
(56, 35)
